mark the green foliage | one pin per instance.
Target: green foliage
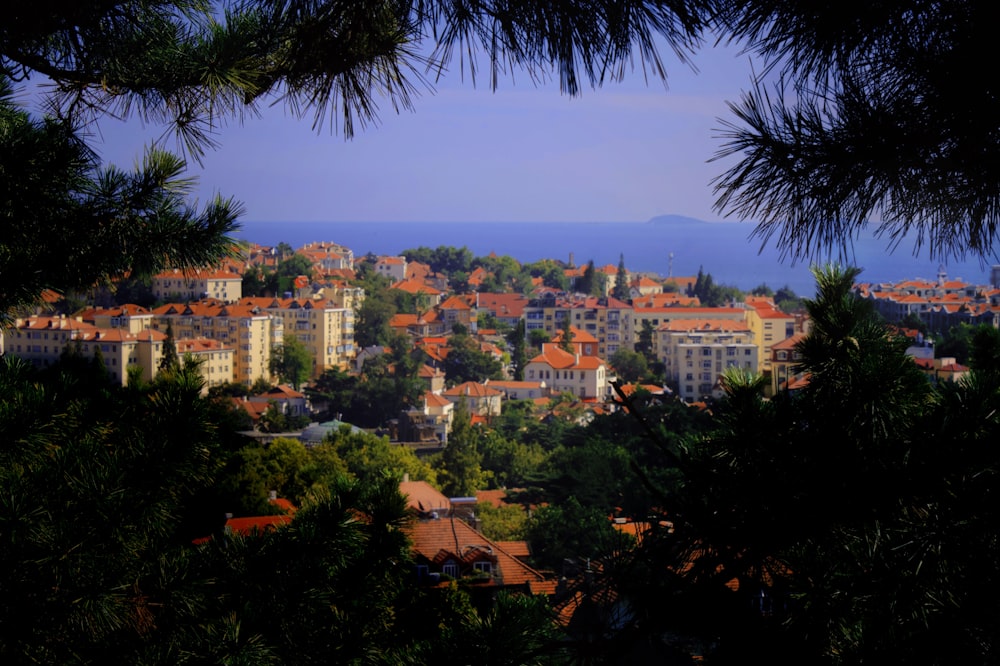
(374, 314)
(370, 456)
(99, 224)
(713, 295)
(507, 522)
(569, 531)
(461, 471)
(518, 350)
(552, 272)
(508, 462)
(621, 288)
(629, 366)
(292, 362)
(465, 362)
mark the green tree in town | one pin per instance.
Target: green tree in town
(292, 362)
(629, 366)
(621, 288)
(566, 329)
(518, 350)
(461, 473)
(169, 360)
(466, 362)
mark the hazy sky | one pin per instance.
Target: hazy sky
(624, 152)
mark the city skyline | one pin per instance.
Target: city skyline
(628, 151)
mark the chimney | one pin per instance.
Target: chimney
(406, 477)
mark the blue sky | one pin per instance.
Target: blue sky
(624, 152)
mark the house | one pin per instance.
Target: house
(943, 369)
(416, 286)
(457, 310)
(289, 401)
(447, 548)
(479, 398)
(249, 331)
(785, 358)
(583, 376)
(514, 390)
(583, 343)
(393, 268)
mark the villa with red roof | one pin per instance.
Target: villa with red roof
(583, 376)
(393, 268)
(479, 398)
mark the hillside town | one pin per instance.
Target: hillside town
(575, 337)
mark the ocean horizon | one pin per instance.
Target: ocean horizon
(668, 246)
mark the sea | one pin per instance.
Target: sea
(669, 246)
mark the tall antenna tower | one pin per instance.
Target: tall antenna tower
(670, 265)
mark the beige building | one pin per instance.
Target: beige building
(42, 340)
(607, 319)
(583, 376)
(323, 326)
(248, 330)
(769, 325)
(216, 361)
(196, 284)
(695, 353)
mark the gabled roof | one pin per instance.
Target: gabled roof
(453, 537)
(579, 336)
(455, 303)
(472, 390)
(416, 286)
(423, 497)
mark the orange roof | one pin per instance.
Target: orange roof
(699, 325)
(472, 390)
(455, 303)
(451, 536)
(579, 335)
(423, 497)
(416, 286)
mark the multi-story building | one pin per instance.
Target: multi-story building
(324, 327)
(607, 319)
(695, 352)
(216, 360)
(196, 284)
(132, 318)
(249, 331)
(769, 325)
(657, 315)
(42, 341)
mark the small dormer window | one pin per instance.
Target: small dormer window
(450, 569)
(485, 567)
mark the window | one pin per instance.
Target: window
(450, 569)
(486, 567)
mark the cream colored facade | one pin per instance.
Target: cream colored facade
(216, 361)
(695, 352)
(607, 319)
(196, 284)
(769, 325)
(42, 340)
(250, 331)
(324, 327)
(583, 376)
